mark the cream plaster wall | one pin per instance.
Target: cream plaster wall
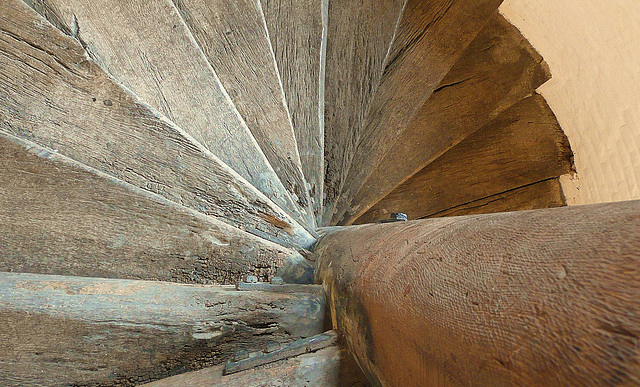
(593, 49)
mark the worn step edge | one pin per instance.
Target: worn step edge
(78, 331)
(274, 131)
(213, 251)
(265, 179)
(298, 236)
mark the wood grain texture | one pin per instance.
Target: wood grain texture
(296, 29)
(51, 93)
(545, 194)
(147, 47)
(59, 330)
(358, 40)
(60, 217)
(328, 367)
(524, 145)
(531, 298)
(234, 38)
(430, 38)
(497, 70)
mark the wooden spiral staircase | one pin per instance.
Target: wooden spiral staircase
(155, 153)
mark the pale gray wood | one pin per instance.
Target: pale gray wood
(329, 367)
(51, 93)
(60, 217)
(497, 70)
(358, 39)
(431, 36)
(296, 29)
(57, 330)
(522, 146)
(146, 46)
(234, 38)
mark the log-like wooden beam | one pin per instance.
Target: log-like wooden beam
(544, 297)
(57, 330)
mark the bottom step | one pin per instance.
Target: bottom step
(57, 330)
(326, 368)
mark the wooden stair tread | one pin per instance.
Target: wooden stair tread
(524, 145)
(234, 38)
(358, 38)
(497, 70)
(147, 47)
(60, 217)
(297, 31)
(327, 367)
(431, 36)
(82, 113)
(91, 331)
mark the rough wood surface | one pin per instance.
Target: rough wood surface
(60, 217)
(544, 297)
(326, 368)
(497, 70)
(524, 145)
(431, 36)
(51, 93)
(297, 29)
(57, 330)
(147, 47)
(358, 39)
(545, 194)
(234, 37)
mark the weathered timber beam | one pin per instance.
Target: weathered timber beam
(57, 330)
(543, 297)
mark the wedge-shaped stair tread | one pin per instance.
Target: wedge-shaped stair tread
(545, 194)
(296, 29)
(431, 36)
(60, 217)
(234, 37)
(59, 330)
(358, 38)
(498, 69)
(147, 46)
(53, 95)
(524, 145)
(326, 367)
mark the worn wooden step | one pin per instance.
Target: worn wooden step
(57, 330)
(358, 38)
(430, 37)
(524, 145)
(147, 47)
(329, 367)
(497, 70)
(297, 30)
(234, 38)
(545, 194)
(51, 93)
(58, 216)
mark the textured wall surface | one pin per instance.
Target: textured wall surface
(593, 49)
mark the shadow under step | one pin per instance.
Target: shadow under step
(87, 331)
(60, 217)
(53, 95)
(147, 46)
(523, 146)
(496, 71)
(429, 38)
